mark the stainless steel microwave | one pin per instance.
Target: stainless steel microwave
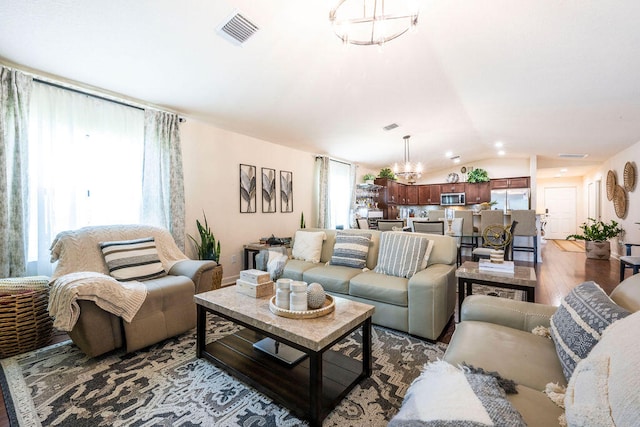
(452, 199)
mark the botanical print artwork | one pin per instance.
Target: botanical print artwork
(268, 190)
(286, 191)
(247, 189)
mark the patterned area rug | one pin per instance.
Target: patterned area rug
(499, 292)
(167, 385)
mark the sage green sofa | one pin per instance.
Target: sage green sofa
(495, 334)
(421, 305)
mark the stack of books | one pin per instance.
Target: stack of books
(496, 267)
(255, 283)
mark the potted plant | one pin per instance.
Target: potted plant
(596, 235)
(387, 173)
(478, 175)
(368, 178)
(208, 249)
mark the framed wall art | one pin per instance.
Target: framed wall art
(268, 190)
(247, 189)
(286, 191)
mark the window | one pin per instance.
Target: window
(340, 194)
(85, 166)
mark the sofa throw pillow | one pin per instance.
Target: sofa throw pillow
(307, 245)
(133, 259)
(401, 254)
(351, 249)
(603, 390)
(445, 395)
(577, 325)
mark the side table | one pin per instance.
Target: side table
(523, 279)
(250, 252)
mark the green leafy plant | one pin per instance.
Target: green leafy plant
(478, 175)
(368, 177)
(597, 231)
(208, 248)
(387, 173)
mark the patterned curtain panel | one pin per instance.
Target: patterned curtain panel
(162, 180)
(15, 90)
(323, 202)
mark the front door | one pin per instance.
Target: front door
(560, 203)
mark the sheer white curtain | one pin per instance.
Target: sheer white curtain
(335, 182)
(85, 166)
(15, 88)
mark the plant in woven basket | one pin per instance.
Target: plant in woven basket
(596, 235)
(597, 231)
(209, 247)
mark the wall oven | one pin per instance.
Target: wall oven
(452, 199)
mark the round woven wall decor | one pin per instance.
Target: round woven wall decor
(620, 201)
(629, 176)
(611, 183)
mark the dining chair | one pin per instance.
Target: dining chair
(430, 227)
(363, 223)
(485, 251)
(390, 224)
(434, 215)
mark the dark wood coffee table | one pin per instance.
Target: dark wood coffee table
(310, 388)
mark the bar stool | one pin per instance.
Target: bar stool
(435, 215)
(526, 228)
(488, 217)
(629, 261)
(467, 240)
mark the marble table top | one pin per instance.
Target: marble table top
(522, 275)
(314, 334)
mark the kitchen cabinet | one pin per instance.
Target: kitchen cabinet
(477, 192)
(452, 188)
(388, 197)
(401, 193)
(412, 195)
(429, 194)
(518, 182)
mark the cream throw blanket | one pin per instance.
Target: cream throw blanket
(120, 298)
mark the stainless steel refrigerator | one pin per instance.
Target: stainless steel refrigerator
(511, 199)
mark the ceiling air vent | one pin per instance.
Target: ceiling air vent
(390, 127)
(572, 155)
(237, 29)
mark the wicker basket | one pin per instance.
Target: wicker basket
(217, 277)
(24, 320)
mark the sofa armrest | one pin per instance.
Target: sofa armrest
(432, 299)
(200, 272)
(506, 312)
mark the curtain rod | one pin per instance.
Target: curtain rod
(93, 95)
(318, 156)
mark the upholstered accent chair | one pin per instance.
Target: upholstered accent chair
(168, 308)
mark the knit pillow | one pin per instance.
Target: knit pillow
(133, 259)
(577, 325)
(351, 249)
(401, 254)
(307, 245)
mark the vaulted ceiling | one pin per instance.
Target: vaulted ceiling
(544, 77)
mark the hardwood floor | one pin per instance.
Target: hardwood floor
(559, 273)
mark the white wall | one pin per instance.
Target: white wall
(616, 164)
(211, 159)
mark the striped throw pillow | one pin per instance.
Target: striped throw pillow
(401, 254)
(578, 324)
(133, 259)
(351, 249)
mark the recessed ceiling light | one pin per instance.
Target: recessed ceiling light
(448, 154)
(563, 170)
(456, 160)
(498, 144)
(501, 153)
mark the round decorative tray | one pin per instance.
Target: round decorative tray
(620, 201)
(629, 176)
(328, 307)
(611, 184)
